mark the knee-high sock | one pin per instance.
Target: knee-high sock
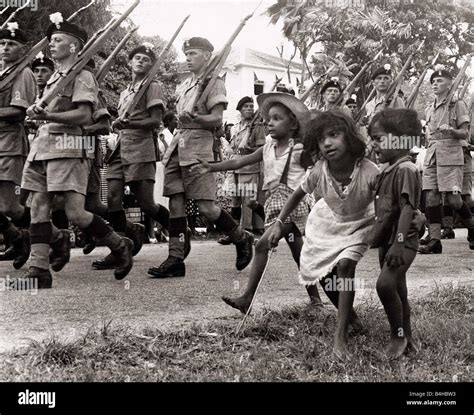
(448, 219)
(59, 219)
(25, 220)
(434, 215)
(226, 224)
(177, 235)
(236, 213)
(40, 236)
(98, 228)
(118, 220)
(162, 216)
(465, 215)
(259, 211)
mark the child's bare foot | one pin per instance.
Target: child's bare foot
(412, 345)
(356, 325)
(396, 347)
(340, 349)
(240, 303)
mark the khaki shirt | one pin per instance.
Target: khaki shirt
(191, 140)
(238, 132)
(138, 145)
(449, 152)
(343, 108)
(20, 93)
(55, 140)
(376, 105)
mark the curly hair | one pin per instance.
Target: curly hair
(398, 121)
(340, 122)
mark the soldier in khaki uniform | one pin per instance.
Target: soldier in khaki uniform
(331, 92)
(382, 78)
(447, 133)
(193, 141)
(243, 183)
(60, 158)
(134, 162)
(15, 99)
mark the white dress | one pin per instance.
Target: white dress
(340, 223)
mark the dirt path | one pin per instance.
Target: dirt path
(83, 298)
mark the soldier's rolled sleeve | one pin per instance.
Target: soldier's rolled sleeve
(85, 89)
(23, 90)
(462, 113)
(155, 96)
(99, 113)
(217, 96)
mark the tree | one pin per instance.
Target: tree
(354, 35)
(93, 19)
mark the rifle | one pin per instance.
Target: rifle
(412, 98)
(10, 74)
(12, 16)
(464, 88)
(83, 59)
(145, 83)
(208, 79)
(453, 89)
(306, 94)
(362, 108)
(256, 118)
(4, 10)
(393, 89)
(349, 88)
(104, 69)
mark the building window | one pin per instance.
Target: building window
(258, 87)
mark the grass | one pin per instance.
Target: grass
(293, 344)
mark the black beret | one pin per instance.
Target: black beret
(143, 49)
(382, 70)
(42, 61)
(68, 29)
(243, 101)
(441, 73)
(14, 34)
(198, 43)
(351, 101)
(332, 83)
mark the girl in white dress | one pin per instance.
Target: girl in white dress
(339, 225)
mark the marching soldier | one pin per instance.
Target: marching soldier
(447, 133)
(331, 91)
(351, 103)
(53, 167)
(15, 99)
(193, 141)
(43, 69)
(134, 162)
(382, 79)
(245, 180)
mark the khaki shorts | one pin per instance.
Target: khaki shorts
(93, 183)
(442, 178)
(58, 175)
(180, 179)
(130, 172)
(11, 168)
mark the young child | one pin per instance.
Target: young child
(340, 224)
(284, 166)
(398, 219)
